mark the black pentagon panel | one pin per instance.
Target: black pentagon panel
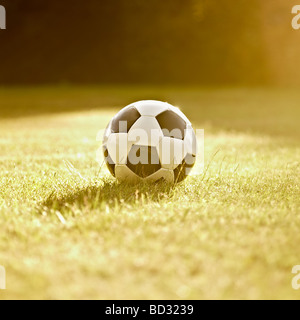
(109, 162)
(129, 115)
(143, 161)
(172, 124)
(183, 170)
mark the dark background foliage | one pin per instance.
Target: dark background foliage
(135, 41)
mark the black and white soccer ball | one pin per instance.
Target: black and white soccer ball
(150, 140)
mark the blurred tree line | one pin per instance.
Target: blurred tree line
(133, 41)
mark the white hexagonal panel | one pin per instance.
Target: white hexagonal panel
(151, 107)
(145, 132)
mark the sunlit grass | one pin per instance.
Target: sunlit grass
(232, 232)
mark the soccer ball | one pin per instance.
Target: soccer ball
(150, 140)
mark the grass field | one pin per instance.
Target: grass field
(232, 232)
